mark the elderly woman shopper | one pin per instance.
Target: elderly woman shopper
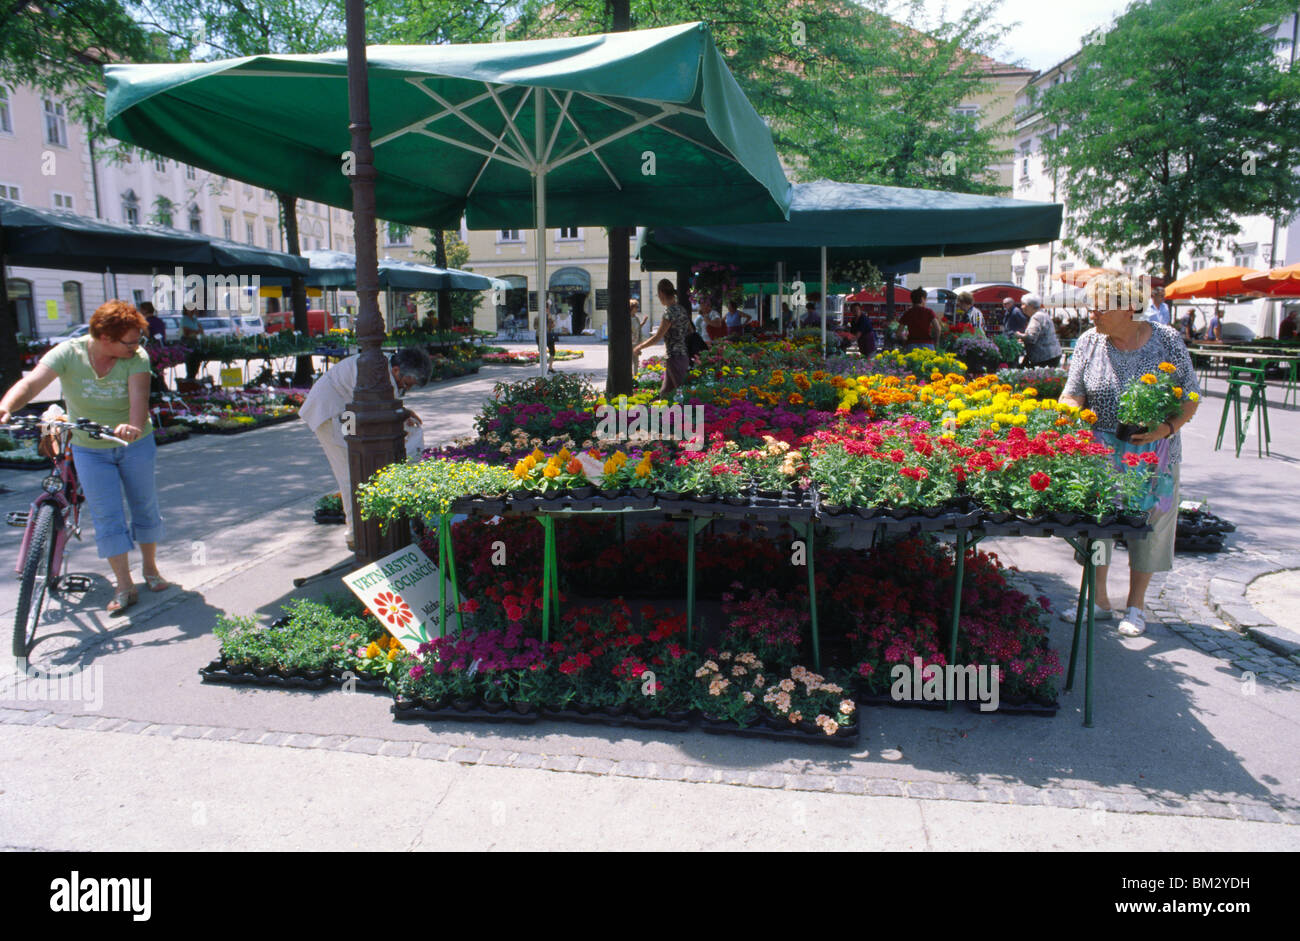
(673, 330)
(1122, 347)
(324, 411)
(104, 377)
(1042, 348)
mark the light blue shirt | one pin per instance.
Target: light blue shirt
(1158, 314)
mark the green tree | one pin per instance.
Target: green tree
(453, 306)
(1175, 122)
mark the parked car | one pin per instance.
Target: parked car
(173, 324)
(251, 325)
(76, 330)
(317, 321)
(218, 326)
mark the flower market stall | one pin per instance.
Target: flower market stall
(834, 517)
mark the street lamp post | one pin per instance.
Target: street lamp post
(377, 428)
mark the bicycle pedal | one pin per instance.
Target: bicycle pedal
(75, 583)
(17, 517)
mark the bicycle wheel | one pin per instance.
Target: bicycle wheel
(35, 585)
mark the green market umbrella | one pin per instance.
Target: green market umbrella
(833, 222)
(635, 128)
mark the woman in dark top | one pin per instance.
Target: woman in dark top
(673, 330)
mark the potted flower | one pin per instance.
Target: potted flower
(1154, 398)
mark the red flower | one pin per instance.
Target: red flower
(1131, 459)
(1039, 481)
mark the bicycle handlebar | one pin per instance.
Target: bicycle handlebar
(93, 429)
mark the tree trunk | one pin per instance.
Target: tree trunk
(444, 296)
(303, 371)
(618, 380)
(11, 363)
(684, 288)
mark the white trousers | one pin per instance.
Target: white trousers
(335, 447)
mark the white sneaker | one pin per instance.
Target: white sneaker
(1134, 623)
(1099, 615)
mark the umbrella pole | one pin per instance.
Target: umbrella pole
(539, 143)
(825, 291)
(780, 297)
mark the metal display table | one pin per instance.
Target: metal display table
(804, 513)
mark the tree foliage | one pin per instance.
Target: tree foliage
(1175, 123)
(849, 92)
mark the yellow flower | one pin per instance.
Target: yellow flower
(373, 650)
(1193, 397)
(1089, 416)
(550, 471)
(1178, 391)
(1167, 367)
(1149, 379)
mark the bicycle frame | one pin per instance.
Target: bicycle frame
(66, 499)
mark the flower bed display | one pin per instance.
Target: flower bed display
(314, 646)
(527, 357)
(329, 509)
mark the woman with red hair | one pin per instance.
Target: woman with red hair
(104, 376)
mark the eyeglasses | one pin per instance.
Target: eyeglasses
(142, 340)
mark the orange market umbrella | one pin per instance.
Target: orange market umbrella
(1280, 282)
(1223, 281)
(1083, 275)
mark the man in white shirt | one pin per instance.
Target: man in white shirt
(1158, 310)
(323, 411)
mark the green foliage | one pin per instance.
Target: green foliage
(307, 642)
(1179, 122)
(850, 93)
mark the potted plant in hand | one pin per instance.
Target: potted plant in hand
(1154, 398)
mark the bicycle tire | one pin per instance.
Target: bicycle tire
(40, 553)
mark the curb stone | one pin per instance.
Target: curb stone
(1118, 801)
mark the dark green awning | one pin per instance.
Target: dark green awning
(55, 238)
(332, 269)
(857, 221)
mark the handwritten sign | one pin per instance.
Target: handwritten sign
(232, 377)
(401, 590)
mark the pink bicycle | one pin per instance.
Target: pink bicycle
(54, 516)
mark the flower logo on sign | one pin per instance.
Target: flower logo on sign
(389, 607)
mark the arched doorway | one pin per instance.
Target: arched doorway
(570, 288)
(515, 305)
(20, 303)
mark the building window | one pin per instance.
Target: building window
(1244, 255)
(72, 301)
(394, 234)
(956, 281)
(248, 189)
(9, 191)
(267, 194)
(196, 219)
(6, 117)
(270, 237)
(1020, 275)
(969, 112)
(508, 235)
(568, 235)
(61, 201)
(56, 123)
(248, 232)
(189, 172)
(1042, 280)
(160, 163)
(1025, 150)
(163, 208)
(130, 208)
(1199, 264)
(225, 228)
